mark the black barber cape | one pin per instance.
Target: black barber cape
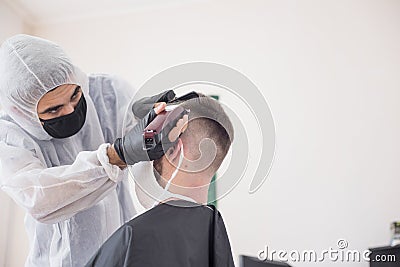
(182, 234)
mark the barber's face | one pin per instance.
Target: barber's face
(59, 102)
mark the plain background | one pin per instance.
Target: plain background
(330, 71)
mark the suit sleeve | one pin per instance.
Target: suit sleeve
(53, 194)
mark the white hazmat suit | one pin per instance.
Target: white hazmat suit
(73, 197)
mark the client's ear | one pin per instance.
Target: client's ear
(174, 152)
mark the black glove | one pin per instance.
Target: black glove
(130, 147)
(143, 106)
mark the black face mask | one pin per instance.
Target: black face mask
(67, 125)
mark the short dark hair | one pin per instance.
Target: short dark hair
(207, 119)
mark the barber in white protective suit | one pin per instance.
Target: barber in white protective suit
(56, 157)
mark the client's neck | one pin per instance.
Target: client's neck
(194, 186)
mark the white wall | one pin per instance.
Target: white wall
(13, 239)
(330, 72)
(10, 22)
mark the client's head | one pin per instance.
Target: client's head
(205, 143)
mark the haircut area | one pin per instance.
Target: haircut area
(280, 133)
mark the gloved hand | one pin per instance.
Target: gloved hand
(130, 147)
(143, 106)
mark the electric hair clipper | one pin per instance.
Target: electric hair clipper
(161, 125)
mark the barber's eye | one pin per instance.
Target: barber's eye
(53, 111)
(75, 94)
